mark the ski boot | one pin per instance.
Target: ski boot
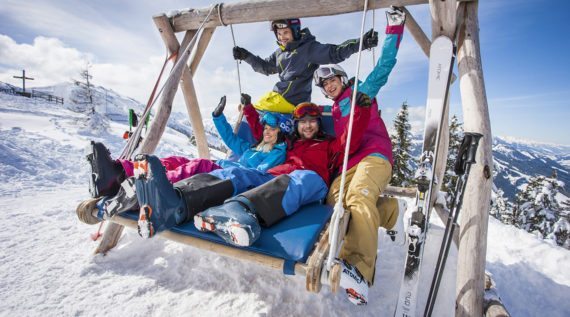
(106, 173)
(125, 200)
(232, 221)
(161, 206)
(354, 284)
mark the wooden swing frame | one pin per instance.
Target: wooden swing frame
(457, 19)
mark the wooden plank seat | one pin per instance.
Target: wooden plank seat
(290, 241)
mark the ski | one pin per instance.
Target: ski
(465, 158)
(440, 69)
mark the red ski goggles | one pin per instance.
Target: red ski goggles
(306, 109)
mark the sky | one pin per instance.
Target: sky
(523, 48)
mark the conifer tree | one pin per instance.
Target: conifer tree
(539, 211)
(401, 145)
(455, 138)
(500, 208)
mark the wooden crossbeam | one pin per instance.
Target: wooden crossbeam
(187, 83)
(269, 10)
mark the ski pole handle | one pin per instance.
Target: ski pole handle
(473, 145)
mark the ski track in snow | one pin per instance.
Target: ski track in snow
(47, 266)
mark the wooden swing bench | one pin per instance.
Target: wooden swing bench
(300, 244)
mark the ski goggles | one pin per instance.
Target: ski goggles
(283, 24)
(306, 109)
(276, 120)
(270, 119)
(324, 73)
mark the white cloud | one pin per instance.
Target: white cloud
(48, 60)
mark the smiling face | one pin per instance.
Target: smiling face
(307, 127)
(284, 36)
(333, 86)
(270, 134)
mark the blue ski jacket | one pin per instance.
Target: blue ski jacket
(296, 63)
(249, 156)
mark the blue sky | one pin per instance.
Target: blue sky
(524, 48)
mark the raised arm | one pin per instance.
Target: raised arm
(387, 60)
(333, 54)
(266, 66)
(252, 117)
(235, 143)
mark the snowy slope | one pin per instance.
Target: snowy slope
(47, 266)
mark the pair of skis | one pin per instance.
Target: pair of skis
(442, 56)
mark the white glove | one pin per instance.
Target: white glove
(395, 16)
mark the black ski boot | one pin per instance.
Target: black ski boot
(125, 200)
(106, 173)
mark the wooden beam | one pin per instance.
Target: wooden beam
(443, 14)
(474, 215)
(191, 98)
(110, 238)
(269, 10)
(410, 192)
(201, 49)
(417, 33)
(187, 84)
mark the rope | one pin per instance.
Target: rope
(133, 142)
(338, 208)
(374, 48)
(240, 117)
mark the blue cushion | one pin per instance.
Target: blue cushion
(292, 239)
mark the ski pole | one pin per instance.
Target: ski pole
(466, 158)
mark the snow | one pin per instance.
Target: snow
(47, 266)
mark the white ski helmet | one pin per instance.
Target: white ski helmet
(328, 71)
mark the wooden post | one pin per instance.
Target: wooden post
(474, 216)
(269, 10)
(187, 84)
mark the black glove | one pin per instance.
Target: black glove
(370, 39)
(245, 99)
(220, 108)
(363, 100)
(240, 53)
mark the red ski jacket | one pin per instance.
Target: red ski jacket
(322, 156)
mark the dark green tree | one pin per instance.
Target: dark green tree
(401, 144)
(455, 138)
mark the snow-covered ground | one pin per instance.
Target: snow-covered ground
(47, 266)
